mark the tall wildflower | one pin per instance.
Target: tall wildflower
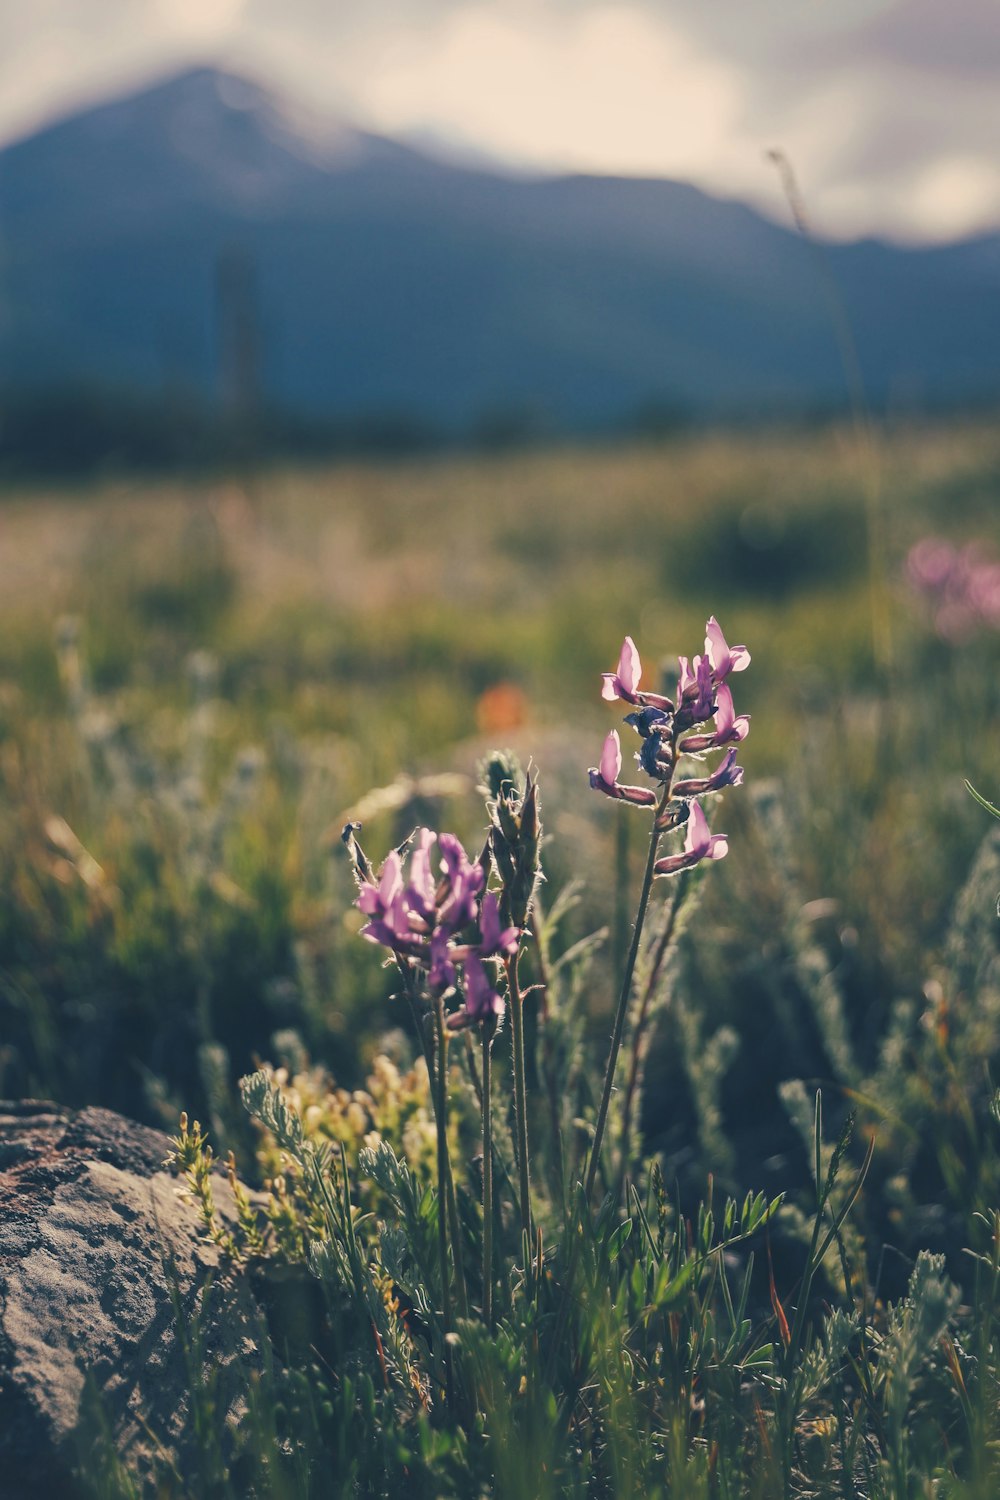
(670, 731)
(430, 907)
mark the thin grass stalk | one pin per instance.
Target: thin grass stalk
(548, 1070)
(520, 1101)
(487, 1177)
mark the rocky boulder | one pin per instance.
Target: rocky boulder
(98, 1252)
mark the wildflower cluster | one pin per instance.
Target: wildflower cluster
(961, 584)
(438, 920)
(665, 727)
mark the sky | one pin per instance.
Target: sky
(889, 110)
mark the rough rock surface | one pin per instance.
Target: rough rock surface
(96, 1243)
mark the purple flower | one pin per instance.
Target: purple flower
(493, 939)
(625, 682)
(465, 880)
(377, 898)
(696, 692)
(723, 657)
(698, 845)
(441, 975)
(481, 999)
(388, 908)
(726, 773)
(422, 888)
(605, 777)
(729, 729)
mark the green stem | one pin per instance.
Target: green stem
(520, 1105)
(487, 1177)
(635, 1062)
(443, 1174)
(623, 998)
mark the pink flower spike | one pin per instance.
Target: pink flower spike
(624, 683)
(723, 657)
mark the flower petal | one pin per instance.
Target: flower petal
(611, 758)
(629, 666)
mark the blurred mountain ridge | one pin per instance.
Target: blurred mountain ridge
(204, 235)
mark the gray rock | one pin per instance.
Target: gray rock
(98, 1250)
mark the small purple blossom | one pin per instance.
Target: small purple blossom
(465, 880)
(442, 973)
(698, 845)
(493, 939)
(696, 692)
(726, 773)
(422, 886)
(387, 906)
(730, 728)
(481, 999)
(605, 778)
(624, 683)
(723, 657)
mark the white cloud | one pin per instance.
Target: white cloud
(608, 89)
(889, 129)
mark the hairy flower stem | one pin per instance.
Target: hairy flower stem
(636, 1060)
(443, 1179)
(487, 1176)
(520, 1106)
(623, 998)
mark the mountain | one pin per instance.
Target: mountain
(201, 235)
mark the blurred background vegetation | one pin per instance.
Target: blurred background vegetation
(200, 680)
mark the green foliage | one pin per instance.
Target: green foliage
(172, 909)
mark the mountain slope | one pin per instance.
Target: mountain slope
(368, 277)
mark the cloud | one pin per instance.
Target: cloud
(58, 55)
(888, 108)
(608, 89)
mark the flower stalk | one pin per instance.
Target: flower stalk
(623, 997)
(488, 1030)
(520, 1098)
(664, 726)
(443, 1173)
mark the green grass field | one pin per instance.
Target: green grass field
(200, 681)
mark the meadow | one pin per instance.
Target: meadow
(202, 681)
